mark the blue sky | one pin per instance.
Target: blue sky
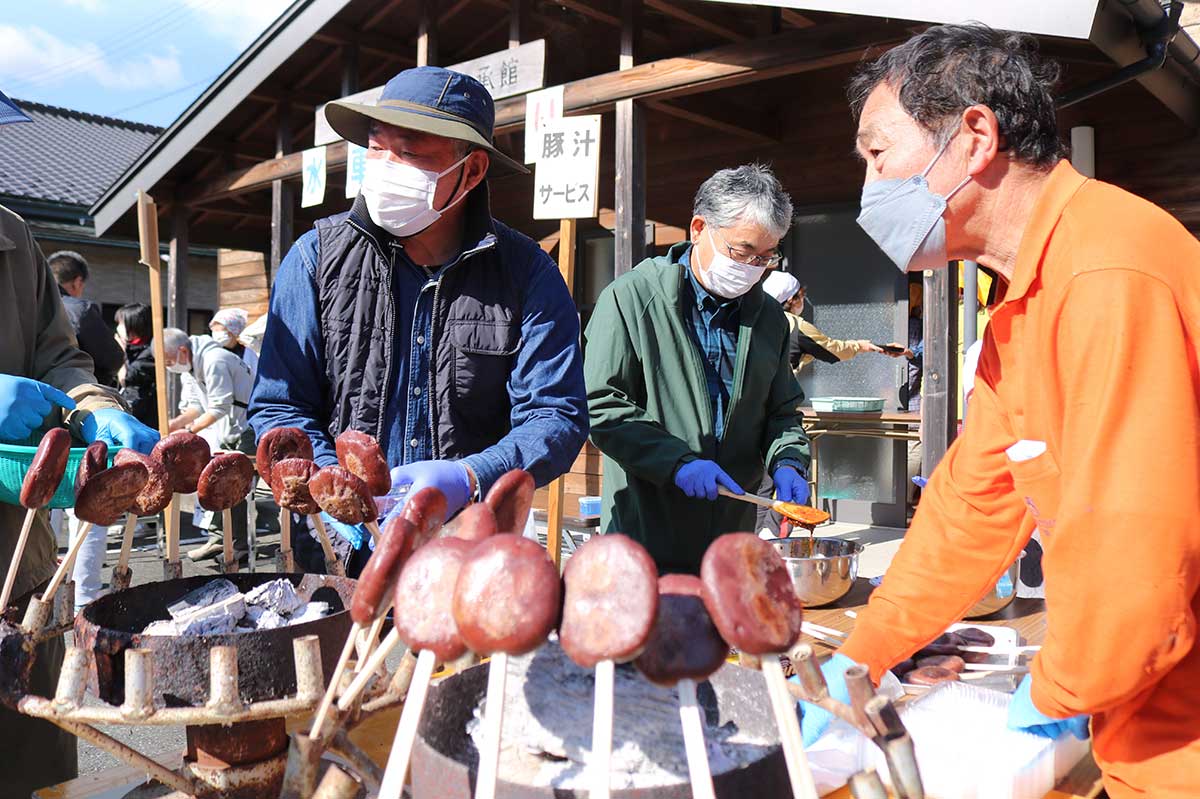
(136, 59)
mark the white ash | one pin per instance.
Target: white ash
(209, 623)
(205, 596)
(310, 612)
(217, 607)
(277, 595)
(548, 728)
(161, 627)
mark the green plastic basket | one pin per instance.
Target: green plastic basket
(14, 463)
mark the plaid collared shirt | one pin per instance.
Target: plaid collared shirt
(714, 325)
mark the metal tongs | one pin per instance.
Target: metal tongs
(874, 716)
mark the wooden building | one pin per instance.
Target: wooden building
(685, 87)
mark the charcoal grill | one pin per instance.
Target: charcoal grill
(233, 693)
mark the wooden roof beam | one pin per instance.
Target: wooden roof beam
(720, 67)
(382, 13)
(788, 53)
(795, 19)
(707, 24)
(753, 125)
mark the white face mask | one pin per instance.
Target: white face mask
(180, 367)
(222, 337)
(399, 196)
(726, 277)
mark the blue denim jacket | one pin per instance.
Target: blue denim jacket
(546, 391)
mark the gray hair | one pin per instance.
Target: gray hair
(749, 193)
(174, 338)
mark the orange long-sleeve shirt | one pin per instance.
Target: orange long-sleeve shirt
(1094, 351)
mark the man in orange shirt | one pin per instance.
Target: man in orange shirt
(1084, 422)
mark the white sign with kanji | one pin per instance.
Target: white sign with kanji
(356, 168)
(541, 109)
(567, 175)
(313, 177)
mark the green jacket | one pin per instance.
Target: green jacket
(650, 411)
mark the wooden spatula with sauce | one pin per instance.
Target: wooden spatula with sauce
(803, 515)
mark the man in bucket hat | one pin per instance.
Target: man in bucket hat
(418, 318)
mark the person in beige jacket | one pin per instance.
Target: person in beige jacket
(45, 380)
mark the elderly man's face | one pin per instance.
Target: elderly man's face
(744, 242)
(893, 145)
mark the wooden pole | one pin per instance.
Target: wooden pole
(630, 163)
(514, 24)
(177, 286)
(148, 239)
(427, 47)
(282, 207)
(567, 231)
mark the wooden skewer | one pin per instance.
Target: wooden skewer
(367, 645)
(406, 731)
(172, 531)
(332, 563)
(231, 565)
(126, 542)
(693, 741)
(373, 529)
(803, 786)
(372, 664)
(809, 627)
(18, 553)
(60, 573)
(285, 540)
(602, 727)
(993, 667)
(331, 689)
(493, 727)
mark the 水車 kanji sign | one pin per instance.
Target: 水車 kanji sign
(567, 175)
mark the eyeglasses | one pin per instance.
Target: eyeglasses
(746, 257)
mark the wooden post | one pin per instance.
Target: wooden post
(349, 68)
(177, 289)
(282, 206)
(630, 161)
(514, 24)
(148, 239)
(554, 506)
(427, 34)
(939, 381)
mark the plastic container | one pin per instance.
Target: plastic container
(589, 506)
(966, 751)
(14, 463)
(847, 404)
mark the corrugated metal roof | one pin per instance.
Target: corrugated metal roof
(67, 156)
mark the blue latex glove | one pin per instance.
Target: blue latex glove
(450, 477)
(790, 486)
(816, 720)
(118, 429)
(24, 405)
(699, 480)
(354, 533)
(1022, 715)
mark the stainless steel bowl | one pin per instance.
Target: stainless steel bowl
(823, 569)
(1001, 595)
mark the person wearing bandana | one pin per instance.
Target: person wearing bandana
(419, 319)
(689, 385)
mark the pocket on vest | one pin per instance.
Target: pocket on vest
(483, 354)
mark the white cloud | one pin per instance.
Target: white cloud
(30, 56)
(240, 20)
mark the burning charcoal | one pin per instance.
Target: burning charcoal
(161, 627)
(214, 624)
(204, 596)
(310, 612)
(277, 595)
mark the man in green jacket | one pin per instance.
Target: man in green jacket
(689, 385)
